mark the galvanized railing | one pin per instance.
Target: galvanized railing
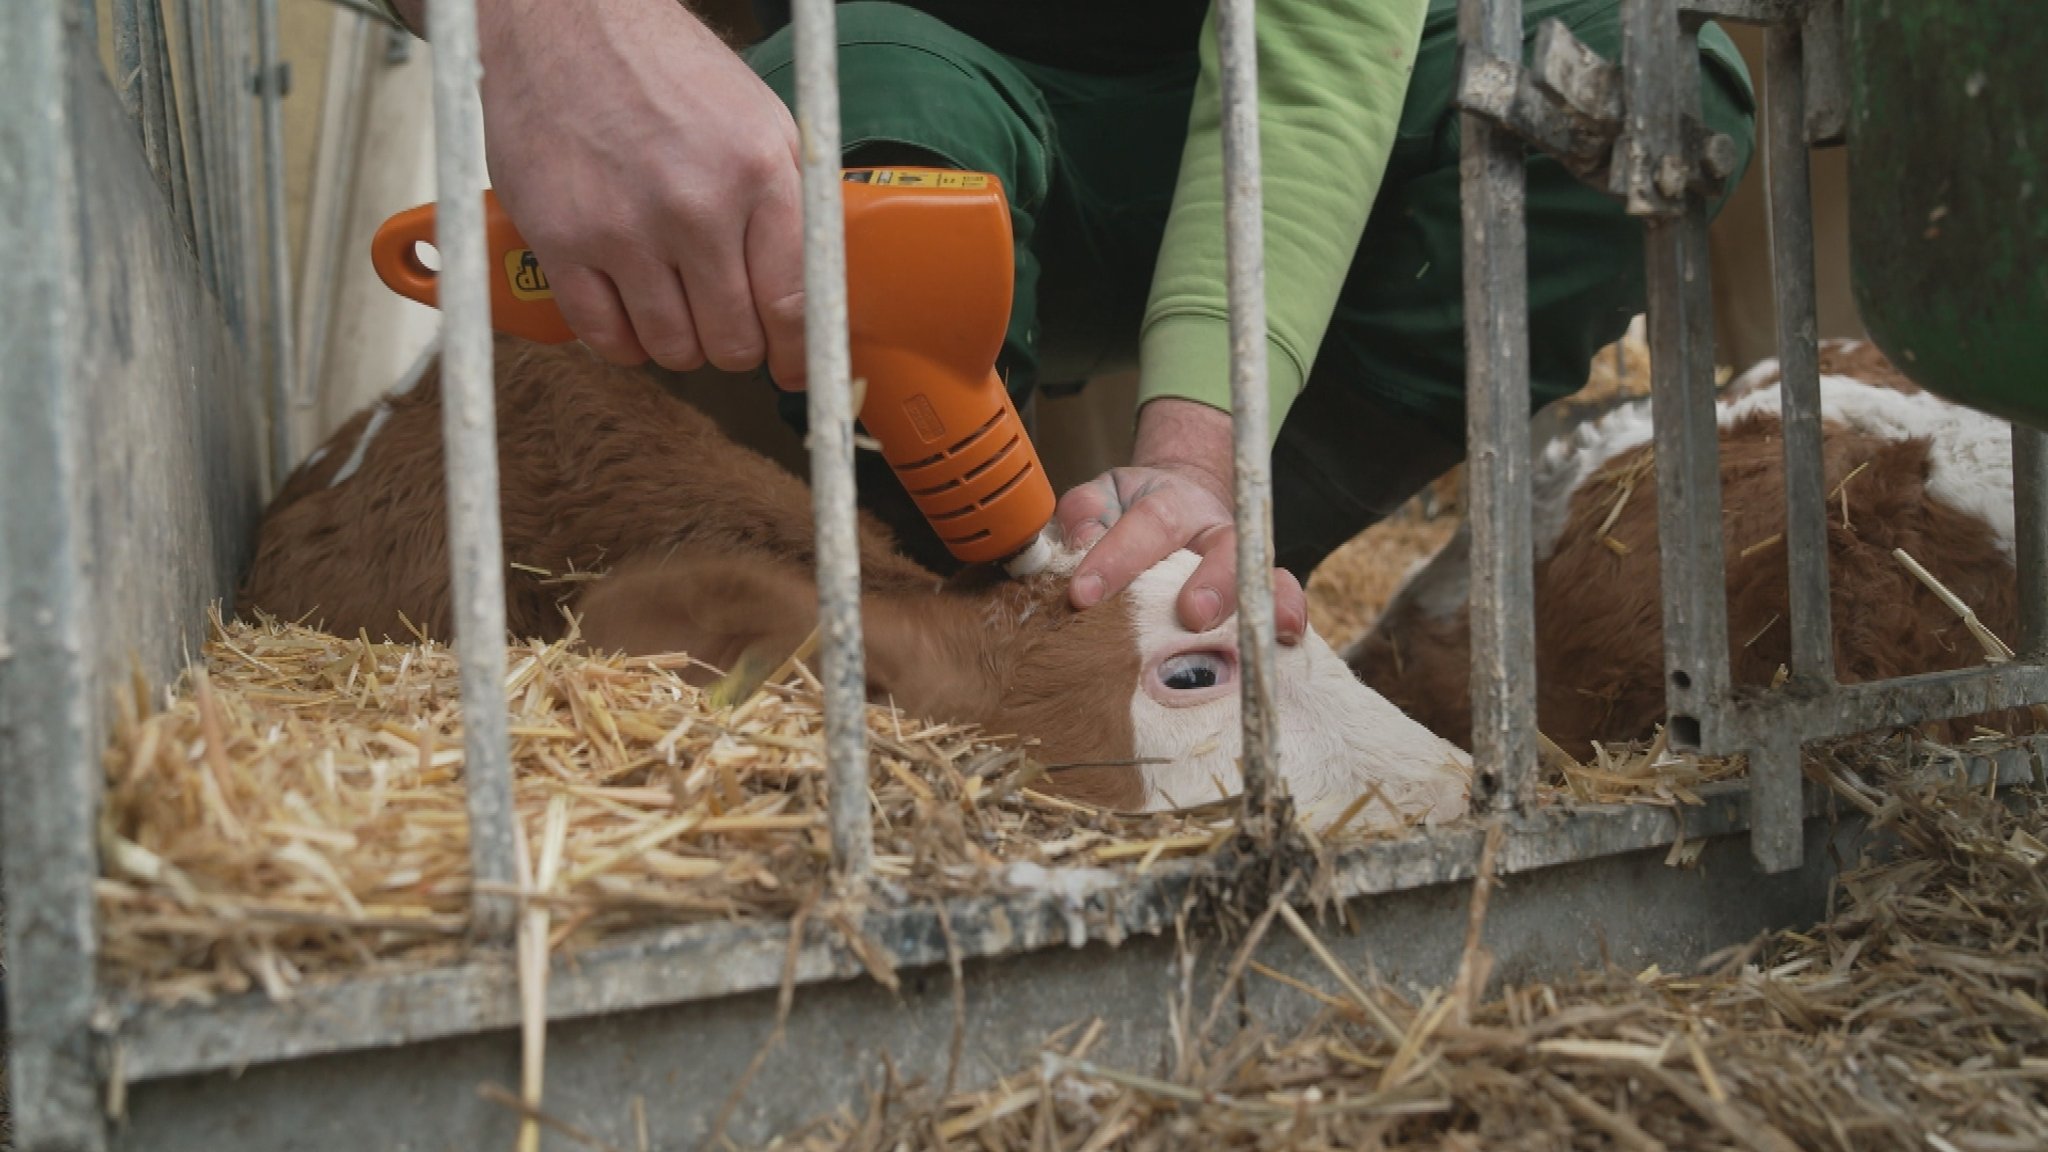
(1634, 128)
(1636, 131)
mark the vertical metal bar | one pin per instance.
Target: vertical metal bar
(469, 429)
(128, 58)
(153, 83)
(49, 751)
(1658, 67)
(1649, 170)
(238, 134)
(208, 127)
(188, 146)
(2030, 519)
(1491, 176)
(1789, 190)
(277, 265)
(203, 27)
(1824, 49)
(830, 393)
(1244, 251)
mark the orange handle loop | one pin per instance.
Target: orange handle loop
(522, 302)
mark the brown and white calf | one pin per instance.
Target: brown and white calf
(708, 549)
(1906, 469)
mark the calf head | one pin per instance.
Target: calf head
(1128, 709)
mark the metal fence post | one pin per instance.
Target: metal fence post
(469, 429)
(277, 263)
(1496, 286)
(128, 58)
(159, 106)
(830, 396)
(1660, 70)
(50, 774)
(1245, 265)
(1789, 189)
(2030, 519)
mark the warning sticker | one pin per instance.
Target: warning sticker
(904, 178)
(528, 282)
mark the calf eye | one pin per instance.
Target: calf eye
(1193, 671)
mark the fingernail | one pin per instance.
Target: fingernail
(1088, 590)
(1208, 608)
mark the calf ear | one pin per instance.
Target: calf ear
(716, 610)
(929, 653)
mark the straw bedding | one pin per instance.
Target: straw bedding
(297, 808)
(1911, 1018)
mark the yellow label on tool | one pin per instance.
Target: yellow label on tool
(523, 272)
(902, 179)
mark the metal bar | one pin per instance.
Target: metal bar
(830, 392)
(239, 135)
(1825, 46)
(1789, 190)
(1244, 252)
(188, 148)
(469, 428)
(2030, 518)
(128, 58)
(1681, 334)
(213, 127)
(1491, 175)
(202, 28)
(1856, 708)
(49, 747)
(1650, 169)
(284, 388)
(152, 81)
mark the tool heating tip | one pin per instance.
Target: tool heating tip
(1035, 558)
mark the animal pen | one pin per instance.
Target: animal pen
(147, 338)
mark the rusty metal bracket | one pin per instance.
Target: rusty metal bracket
(1569, 104)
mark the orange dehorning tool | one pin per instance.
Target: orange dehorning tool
(928, 282)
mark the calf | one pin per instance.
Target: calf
(1905, 470)
(709, 550)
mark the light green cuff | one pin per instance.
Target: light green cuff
(1187, 355)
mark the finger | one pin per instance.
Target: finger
(595, 313)
(1210, 594)
(775, 277)
(1142, 537)
(722, 306)
(662, 317)
(1088, 511)
(1290, 607)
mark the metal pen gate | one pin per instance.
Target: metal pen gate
(117, 375)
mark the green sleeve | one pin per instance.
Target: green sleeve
(1332, 78)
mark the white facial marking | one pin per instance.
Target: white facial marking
(1338, 738)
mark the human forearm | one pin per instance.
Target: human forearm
(1332, 80)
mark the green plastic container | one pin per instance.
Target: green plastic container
(1948, 195)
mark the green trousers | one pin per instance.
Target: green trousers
(1089, 163)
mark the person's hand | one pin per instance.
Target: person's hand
(656, 178)
(1176, 494)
